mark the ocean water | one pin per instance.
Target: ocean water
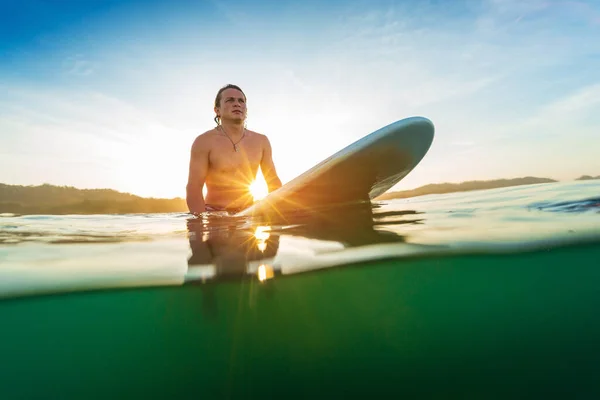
(483, 294)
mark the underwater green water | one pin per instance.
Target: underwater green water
(477, 326)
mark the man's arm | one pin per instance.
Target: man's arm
(197, 176)
(268, 167)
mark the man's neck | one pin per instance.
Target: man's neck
(232, 129)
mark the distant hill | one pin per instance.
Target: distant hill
(50, 199)
(587, 178)
(441, 188)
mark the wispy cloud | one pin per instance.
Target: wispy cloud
(424, 60)
(575, 105)
(556, 136)
(77, 65)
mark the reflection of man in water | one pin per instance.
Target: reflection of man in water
(227, 158)
(227, 247)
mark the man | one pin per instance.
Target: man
(227, 158)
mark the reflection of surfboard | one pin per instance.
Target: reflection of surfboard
(360, 172)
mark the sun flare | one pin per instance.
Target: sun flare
(259, 189)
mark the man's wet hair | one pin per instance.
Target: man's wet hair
(220, 93)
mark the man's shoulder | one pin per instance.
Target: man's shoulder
(259, 136)
(205, 137)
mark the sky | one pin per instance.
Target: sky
(111, 94)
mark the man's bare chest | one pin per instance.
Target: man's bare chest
(224, 156)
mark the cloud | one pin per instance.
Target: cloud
(574, 115)
(564, 128)
(77, 65)
(85, 113)
(234, 14)
(572, 106)
(418, 54)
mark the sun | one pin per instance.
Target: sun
(259, 188)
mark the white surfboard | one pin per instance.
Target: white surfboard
(360, 172)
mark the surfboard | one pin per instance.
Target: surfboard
(359, 172)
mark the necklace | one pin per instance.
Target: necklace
(235, 145)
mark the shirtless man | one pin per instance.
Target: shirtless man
(227, 158)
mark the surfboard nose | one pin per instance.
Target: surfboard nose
(416, 134)
(397, 149)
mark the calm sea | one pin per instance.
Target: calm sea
(482, 294)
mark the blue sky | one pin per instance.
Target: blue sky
(98, 94)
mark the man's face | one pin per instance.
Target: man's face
(232, 105)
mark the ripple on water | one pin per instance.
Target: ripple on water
(577, 206)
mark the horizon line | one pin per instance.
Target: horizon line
(389, 191)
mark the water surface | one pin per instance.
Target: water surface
(46, 253)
